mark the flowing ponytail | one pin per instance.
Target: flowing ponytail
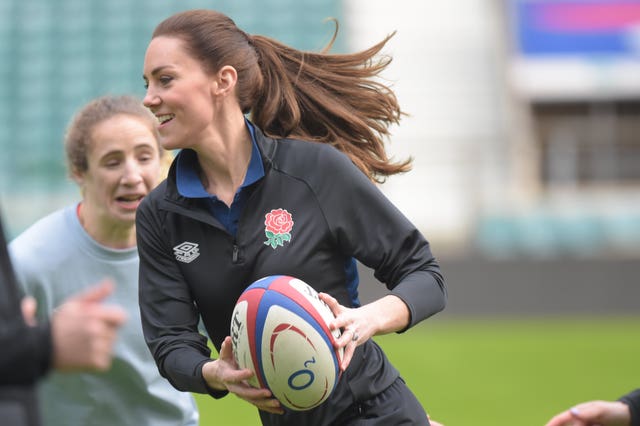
(322, 97)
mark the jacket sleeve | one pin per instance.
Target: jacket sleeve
(169, 315)
(26, 352)
(632, 399)
(370, 228)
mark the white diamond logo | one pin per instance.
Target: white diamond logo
(186, 252)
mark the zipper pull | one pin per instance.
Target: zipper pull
(234, 257)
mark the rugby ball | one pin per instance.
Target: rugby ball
(279, 330)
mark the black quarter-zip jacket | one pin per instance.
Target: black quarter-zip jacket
(190, 266)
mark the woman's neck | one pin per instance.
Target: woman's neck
(224, 161)
(107, 233)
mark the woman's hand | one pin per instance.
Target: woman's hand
(84, 329)
(224, 374)
(355, 328)
(592, 413)
(29, 307)
(358, 325)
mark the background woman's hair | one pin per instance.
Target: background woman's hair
(79, 132)
(328, 98)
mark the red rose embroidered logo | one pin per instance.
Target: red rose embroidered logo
(278, 224)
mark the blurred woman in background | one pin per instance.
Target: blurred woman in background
(114, 156)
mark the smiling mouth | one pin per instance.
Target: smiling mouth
(164, 118)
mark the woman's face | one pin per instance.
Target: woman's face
(123, 166)
(179, 93)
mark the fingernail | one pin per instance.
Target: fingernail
(575, 411)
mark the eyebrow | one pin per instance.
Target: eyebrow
(156, 70)
(141, 146)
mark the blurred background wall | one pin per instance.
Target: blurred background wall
(524, 126)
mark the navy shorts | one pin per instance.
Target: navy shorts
(395, 406)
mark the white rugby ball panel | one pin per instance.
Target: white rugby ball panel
(319, 306)
(240, 341)
(294, 359)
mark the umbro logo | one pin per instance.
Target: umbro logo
(186, 252)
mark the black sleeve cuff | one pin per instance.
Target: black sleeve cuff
(27, 355)
(423, 294)
(44, 350)
(632, 399)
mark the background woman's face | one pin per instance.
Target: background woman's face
(123, 166)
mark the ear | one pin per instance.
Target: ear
(78, 177)
(226, 80)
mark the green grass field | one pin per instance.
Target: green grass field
(502, 372)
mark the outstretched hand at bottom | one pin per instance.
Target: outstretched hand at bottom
(594, 413)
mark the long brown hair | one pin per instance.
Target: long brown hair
(328, 98)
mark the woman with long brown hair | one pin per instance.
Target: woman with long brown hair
(308, 159)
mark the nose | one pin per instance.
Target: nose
(151, 99)
(132, 173)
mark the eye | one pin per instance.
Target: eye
(165, 80)
(145, 156)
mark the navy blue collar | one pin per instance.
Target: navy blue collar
(188, 181)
